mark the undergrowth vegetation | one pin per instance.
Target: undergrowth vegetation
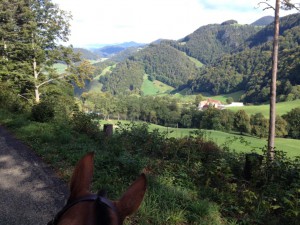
(191, 180)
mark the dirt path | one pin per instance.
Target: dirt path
(30, 192)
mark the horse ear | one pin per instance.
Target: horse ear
(132, 198)
(82, 176)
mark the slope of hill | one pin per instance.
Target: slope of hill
(264, 21)
(208, 43)
(250, 69)
(266, 34)
(159, 61)
(167, 64)
(235, 58)
(112, 50)
(86, 54)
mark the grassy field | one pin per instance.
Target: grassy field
(188, 98)
(236, 142)
(96, 86)
(154, 87)
(281, 108)
(196, 61)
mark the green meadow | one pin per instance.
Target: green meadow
(236, 142)
(281, 108)
(154, 87)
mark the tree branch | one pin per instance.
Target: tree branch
(48, 81)
(23, 97)
(269, 6)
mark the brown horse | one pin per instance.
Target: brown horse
(84, 208)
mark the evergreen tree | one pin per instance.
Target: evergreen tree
(30, 32)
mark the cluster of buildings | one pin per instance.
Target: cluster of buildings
(217, 104)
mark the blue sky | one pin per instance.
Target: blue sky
(117, 21)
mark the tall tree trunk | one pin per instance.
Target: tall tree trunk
(271, 139)
(36, 87)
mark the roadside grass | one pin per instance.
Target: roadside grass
(167, 202)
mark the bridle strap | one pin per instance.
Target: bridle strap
(88, 198)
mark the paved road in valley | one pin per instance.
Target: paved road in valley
(30, 191)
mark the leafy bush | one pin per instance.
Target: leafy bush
(13, 102)
(42, 112)
(293, 119)
(83, 123)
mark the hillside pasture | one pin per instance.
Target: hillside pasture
(185, 97)
(281, 108)
(154, 87)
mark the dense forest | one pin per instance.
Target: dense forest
(235, 57)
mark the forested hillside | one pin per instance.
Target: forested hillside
(126, 78)
(159, 61)
(250, 69)
(164, 63)
(235, 58)
(266, 20)
(210, 42)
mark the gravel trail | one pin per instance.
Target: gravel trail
(30, 191)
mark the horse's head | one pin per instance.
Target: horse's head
(84, 208)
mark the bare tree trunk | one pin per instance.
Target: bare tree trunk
(4, 56)
(36, 87)
(272, 121)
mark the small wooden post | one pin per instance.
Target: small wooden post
(108, 130)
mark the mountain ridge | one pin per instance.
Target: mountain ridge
(235, 57)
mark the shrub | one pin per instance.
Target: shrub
(11, 101)
(42, 112)
(293, 119)
(83, 123)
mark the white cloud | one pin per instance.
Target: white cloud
(115, 21)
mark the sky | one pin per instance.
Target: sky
(144, 21)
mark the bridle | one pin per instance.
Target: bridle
(89, 198)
